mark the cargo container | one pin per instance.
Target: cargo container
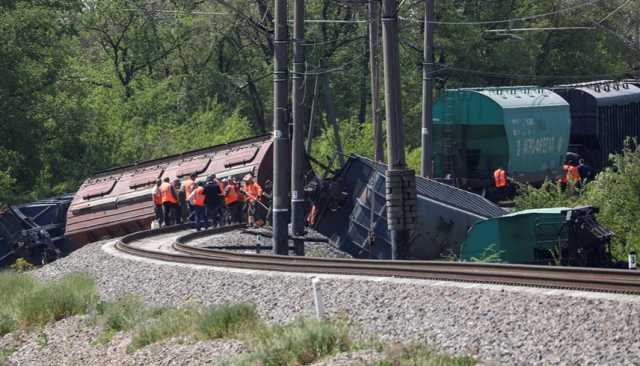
(603, 115)
(524, 130)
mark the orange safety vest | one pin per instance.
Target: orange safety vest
(253, 191)
(500, 177)
(198, 197)
(570, 172)
(232, 195)
(157, 196)
(167, 193)
(188, 185)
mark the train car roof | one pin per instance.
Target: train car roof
(258, 138)
(606, 92)
(517, 96)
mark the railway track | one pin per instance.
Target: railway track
(586, 279)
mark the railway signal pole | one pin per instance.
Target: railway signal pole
(400, 182)
(297, 158)
(427, 93)
(280, 132)
(374, 41)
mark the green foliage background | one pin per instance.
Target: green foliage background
(87, 85)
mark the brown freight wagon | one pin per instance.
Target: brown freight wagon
(118, 201)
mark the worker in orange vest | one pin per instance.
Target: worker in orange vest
(233, 201)
(197, 198)
(188, 185)
(571, 175)
(169, 201)
(157, 203)
(501, 182)
(253, 193)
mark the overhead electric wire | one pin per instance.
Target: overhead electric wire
(614, 11)
(509, 20)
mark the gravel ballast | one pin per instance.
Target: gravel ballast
(497, 325)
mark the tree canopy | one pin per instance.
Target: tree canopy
(86, 85)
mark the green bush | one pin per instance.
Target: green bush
(74, 294)
(422, 356)
(227, 320)
(26, 302)
(550, 194)
(298, 343)
(170, 323)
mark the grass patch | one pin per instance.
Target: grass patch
(170, 323)
(420, 355)
(122, 315)
(298, 343)
(215, 322)
(227, 320)
(26, 302)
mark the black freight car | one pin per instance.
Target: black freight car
(603, 115)
(445, 213)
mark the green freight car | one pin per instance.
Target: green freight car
(524, 130)
(560, 235)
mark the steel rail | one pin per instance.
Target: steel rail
(571, 278)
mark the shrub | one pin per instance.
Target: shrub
(170, 323)
(74, 294)
(300, 342)
(227, 320)
(26, 302)
(423, 356)
(550, 194)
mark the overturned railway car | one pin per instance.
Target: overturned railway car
(34, 231)
(118, 201)
(445, 213)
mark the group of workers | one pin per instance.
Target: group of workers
(215, 201)
(572, 175)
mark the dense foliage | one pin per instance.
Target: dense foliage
(615, 192)
(86, 85)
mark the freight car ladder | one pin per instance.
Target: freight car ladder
(448, 136)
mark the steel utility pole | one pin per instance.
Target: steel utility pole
(374, 42)
(399, 181)
(427, 93)
(280, 132)
(297, 158)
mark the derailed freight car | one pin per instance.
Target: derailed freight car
(445, 213)
(603, 115)
(118, 201)
(34, 231)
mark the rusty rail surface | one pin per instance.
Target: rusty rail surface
(574, 278)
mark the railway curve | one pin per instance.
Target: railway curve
(570, 278)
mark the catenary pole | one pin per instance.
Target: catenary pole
(297, 159)
(374, 43)
(427, 93)
(399, 182)
(280, 132)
